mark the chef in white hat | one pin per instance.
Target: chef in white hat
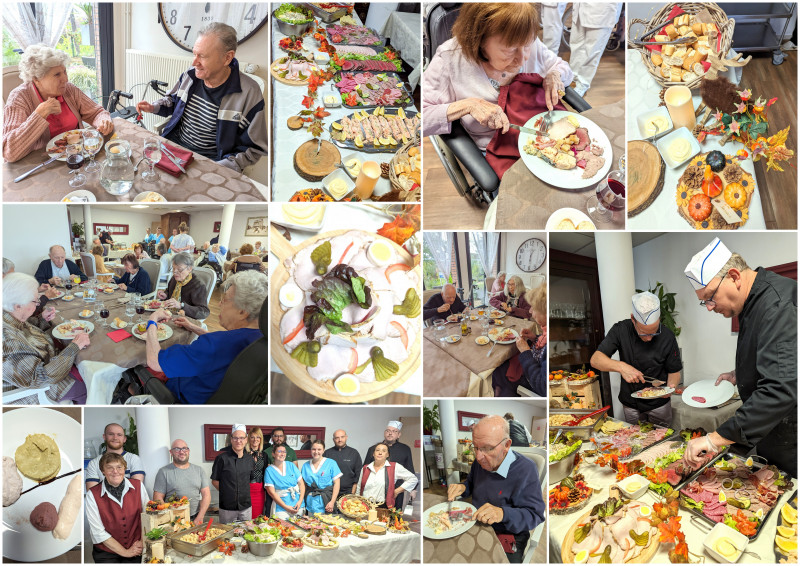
(766, 355)
(398, 452)
(230, 475)
(648, 357)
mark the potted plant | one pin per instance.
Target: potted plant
(668, 311)
(430, 419)
(131, 442)
(77, 229)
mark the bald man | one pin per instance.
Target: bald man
(180, 478)
(58, 268)
(443, 304)
(504, 486)
(114, 438)
(348, 459)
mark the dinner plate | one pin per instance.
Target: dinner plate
(149, 196)
(667, 392)
(494, 332)
(573, 214)
(497, 314)
(560, 178)
(428, 532)
(60, 294)
(453, 318)
(80, 195)
(20, 540)
(148, 308)
(482, 340)
(713, 394)
(113, 286)
(452, 339)
(52, 143)
(57, 332)
(143, 336)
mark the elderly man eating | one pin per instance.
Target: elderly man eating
(216, 110)
(443, 305)
(504, 486)
(57, 269)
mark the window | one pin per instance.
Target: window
(432, 275)
(475, 243)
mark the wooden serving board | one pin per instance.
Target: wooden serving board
(280, 79)
(646, 172)
(313, 166)
(297, 372)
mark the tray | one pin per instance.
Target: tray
(338, 76)
(779, 555)
(324, 16)
(197, 549)
(378, 46)
(369, 147)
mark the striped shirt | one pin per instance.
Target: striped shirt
(198, 126)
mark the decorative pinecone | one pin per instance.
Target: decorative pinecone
(385, 170)
(661, 97)
(574, 495)
(578, 477)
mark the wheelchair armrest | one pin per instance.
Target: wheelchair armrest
(154, 386)
(575, 100)
(467, 152)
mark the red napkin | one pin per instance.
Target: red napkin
(119, 335)
(166, 165)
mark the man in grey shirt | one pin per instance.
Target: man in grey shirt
(180, 478)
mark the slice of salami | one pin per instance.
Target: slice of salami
(699, 399)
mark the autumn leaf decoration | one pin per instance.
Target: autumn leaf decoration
(403, 226)
(314, 114)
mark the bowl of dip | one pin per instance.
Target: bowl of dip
(338, 184)
(678, 147)
(655, 122)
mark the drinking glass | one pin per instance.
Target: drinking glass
(609, 197)
(92, 142)
(130, 312)
(438, 329)
(74, 154)
(104, 313)
(97, 308)
(138, 303)
(152, 153)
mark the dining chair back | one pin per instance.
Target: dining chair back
(153, 268)
(87, 262)
(208, 278)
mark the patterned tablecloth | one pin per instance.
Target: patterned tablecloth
(479, 545)
(204, 180)
(525, 202)
(470, 354)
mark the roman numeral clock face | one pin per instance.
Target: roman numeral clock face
(182, 21)
(531, 255)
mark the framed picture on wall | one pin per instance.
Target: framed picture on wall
(217, 225)
(257, 226)
(466, 420)
(113, 229)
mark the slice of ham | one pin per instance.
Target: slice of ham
(699, 399)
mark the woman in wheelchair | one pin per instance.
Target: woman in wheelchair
(184, 292)
(247, 260)
(491, 44)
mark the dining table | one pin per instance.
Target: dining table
(204, 180)
(405, 32)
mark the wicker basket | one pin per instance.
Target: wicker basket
(402, 154)
(718, 17)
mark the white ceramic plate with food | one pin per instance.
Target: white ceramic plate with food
(704, 394)
(497, 313)
(453, 318)
(149, 196)
(60, 294)
(67, 330)
(153, 305)
(164, 331)
(315, 222)
(503, 335)
(86, 313)
(430, 532)
(482, 340)
(21, 541)
(56, 147)
(80, 195)
(104, 286)
(571, 178)
(452, 339)
(653, 393)
(574, 215)
(118, 327)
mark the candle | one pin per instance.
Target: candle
(367, 177)
(681, 109)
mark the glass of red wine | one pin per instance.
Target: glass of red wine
(609, 197)
(74, 154)
(104, 315)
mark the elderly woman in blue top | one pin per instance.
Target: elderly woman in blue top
(322, 480)
(216, 110)
(504, 486)
(136, 279)
(57, 269)
(194, 371)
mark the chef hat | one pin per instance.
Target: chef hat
(241, 427)
(646, 307)
(706, 264)
(395, 424)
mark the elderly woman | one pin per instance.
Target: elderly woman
(491, 44)
(529, 368)
(513, 300)
(184, 292)
(285, 486)
(247, 257)
(321, 476)
(136, 279)
(29, 355)
(255, 449)
(138, 251)
(46, 104)
(372, 481)
(101, 271)
(113, 511)
(498, 285)
(182, 242)
(195, 371)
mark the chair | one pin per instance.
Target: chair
(153, 268)
(487, 288)
(87, 261)
(208, 278)
(457, 148)
(11, 80)
(539, 457)
(426, 296)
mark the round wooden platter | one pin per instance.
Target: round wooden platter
(280, 79)
(646, 172)
(568, 557)
(297, 372)
(313, 166)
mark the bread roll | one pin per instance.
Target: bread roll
(697, 28)
(566, 224)
(698, 69)
(689, 60)
(660, 38)
(687, 76)
(667, 50)
(656, 59)
(671, 31)
(675, 74)
(666, 70)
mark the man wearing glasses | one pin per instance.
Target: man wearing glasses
(398, 452)
(766, 355)
(230, 475)
(648, 357)
(504, 486)
(180, 478)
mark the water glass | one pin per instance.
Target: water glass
(438, 329)
(92, 142)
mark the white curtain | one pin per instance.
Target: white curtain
(441, 248)
(486, 245)
(46, 26)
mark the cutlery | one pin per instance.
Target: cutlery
(40, 484)
(490, 349)
(166, 150)
(547, 121)
(525, 130)
(32, 171)
(174, 162)
(577, 419)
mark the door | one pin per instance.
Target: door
(412, 437)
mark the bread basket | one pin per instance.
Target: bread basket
(403, 159)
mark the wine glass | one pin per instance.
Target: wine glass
(138, 303)
(609, 197)
(130, 312)
(92, 141)
(104, 313)
(74, 154)
(152, 153)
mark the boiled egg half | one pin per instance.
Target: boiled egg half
(379, 253)
(290, 295)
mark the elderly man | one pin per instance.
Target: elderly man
(504, 486)
(646, 348)
(230, 475)
(47, 291)
(180, 478)
(57, 269)
(279, 439)
(114, 437)
(216, 257)
(217, 111)
(443, 305)
(766, 355)
(347, 458)
(398, 452)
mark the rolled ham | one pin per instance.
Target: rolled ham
(69, 509)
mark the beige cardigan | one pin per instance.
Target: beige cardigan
(25, 131)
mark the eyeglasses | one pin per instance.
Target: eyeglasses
(711, 302)
(180, 269)
(391, 431)
(646, 335)
(239, 438)
(179, 449)
(487, 450)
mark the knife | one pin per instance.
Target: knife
(168, 153)
(32, 171)
(529, 131)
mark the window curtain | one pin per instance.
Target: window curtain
(441, 249)
(486, 246)
(44, 25)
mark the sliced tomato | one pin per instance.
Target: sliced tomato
(403, 333)
(294, 333)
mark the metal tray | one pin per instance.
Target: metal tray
(378, 46)
(198, 549)
(324, 16)
(778, 554)
(338, 76)
(633, 455)
(368, 147)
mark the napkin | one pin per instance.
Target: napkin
(166, 165)
(119, 335)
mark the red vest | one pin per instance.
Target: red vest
(124, 525)
(388, 469)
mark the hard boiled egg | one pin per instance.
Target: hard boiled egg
(379, 253)
(290, 295)
(582, 557)
(347, 384)
(645, 511)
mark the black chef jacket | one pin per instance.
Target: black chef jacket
(349, 461)
(233, 475)
(429, 311)
(766, 372)
(656, 359)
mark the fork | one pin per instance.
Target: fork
(490, 349)
(547, 121)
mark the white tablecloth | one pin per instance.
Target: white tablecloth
(101, 378)
(405, 31)
(662, 214)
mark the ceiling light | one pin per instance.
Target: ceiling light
(139, 206)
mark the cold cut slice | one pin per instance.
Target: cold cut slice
(699, 399)
(69, 509)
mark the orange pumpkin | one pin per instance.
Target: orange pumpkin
(735, 195)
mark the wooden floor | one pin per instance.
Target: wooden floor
(284, 392)
(445, 209)
(213, 305)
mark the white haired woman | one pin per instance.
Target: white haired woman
(513, 299)
(184, 292)
(29, 355)
(46, 104)
(194, 372)
(498, 285)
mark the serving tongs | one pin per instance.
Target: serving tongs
(654, 31)
(577, 419)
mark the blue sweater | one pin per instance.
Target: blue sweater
(141, 283)
(535, 371)
(45, 271)
(519, 493)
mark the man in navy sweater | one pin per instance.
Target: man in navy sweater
(504, 486)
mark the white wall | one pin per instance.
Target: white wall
(201, 226)
(30, 229)
(708, 346)
(137, 222)
(510, 242)
(524, 411)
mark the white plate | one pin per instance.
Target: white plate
(115, 327)
(572, 213)
(497, 331)
(428, 532)
(90, 315)
(143, 336)
(667, 392)
(479, 340)
(149, 196)
(20, 540)
(52, 143)
(61, 336)
(279, 218)
(714, 395)
(664, 143)
(79, 195)
(452, 339)
(61, 294)
(558, 177)
(147, 305)
(113, 286)
(495, 314)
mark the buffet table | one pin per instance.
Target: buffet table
(684, 416)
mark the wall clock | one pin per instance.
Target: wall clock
(182, 21)
(531, 255)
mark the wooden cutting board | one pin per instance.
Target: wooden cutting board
(312, 165)
(296, 371)
(645, 175)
